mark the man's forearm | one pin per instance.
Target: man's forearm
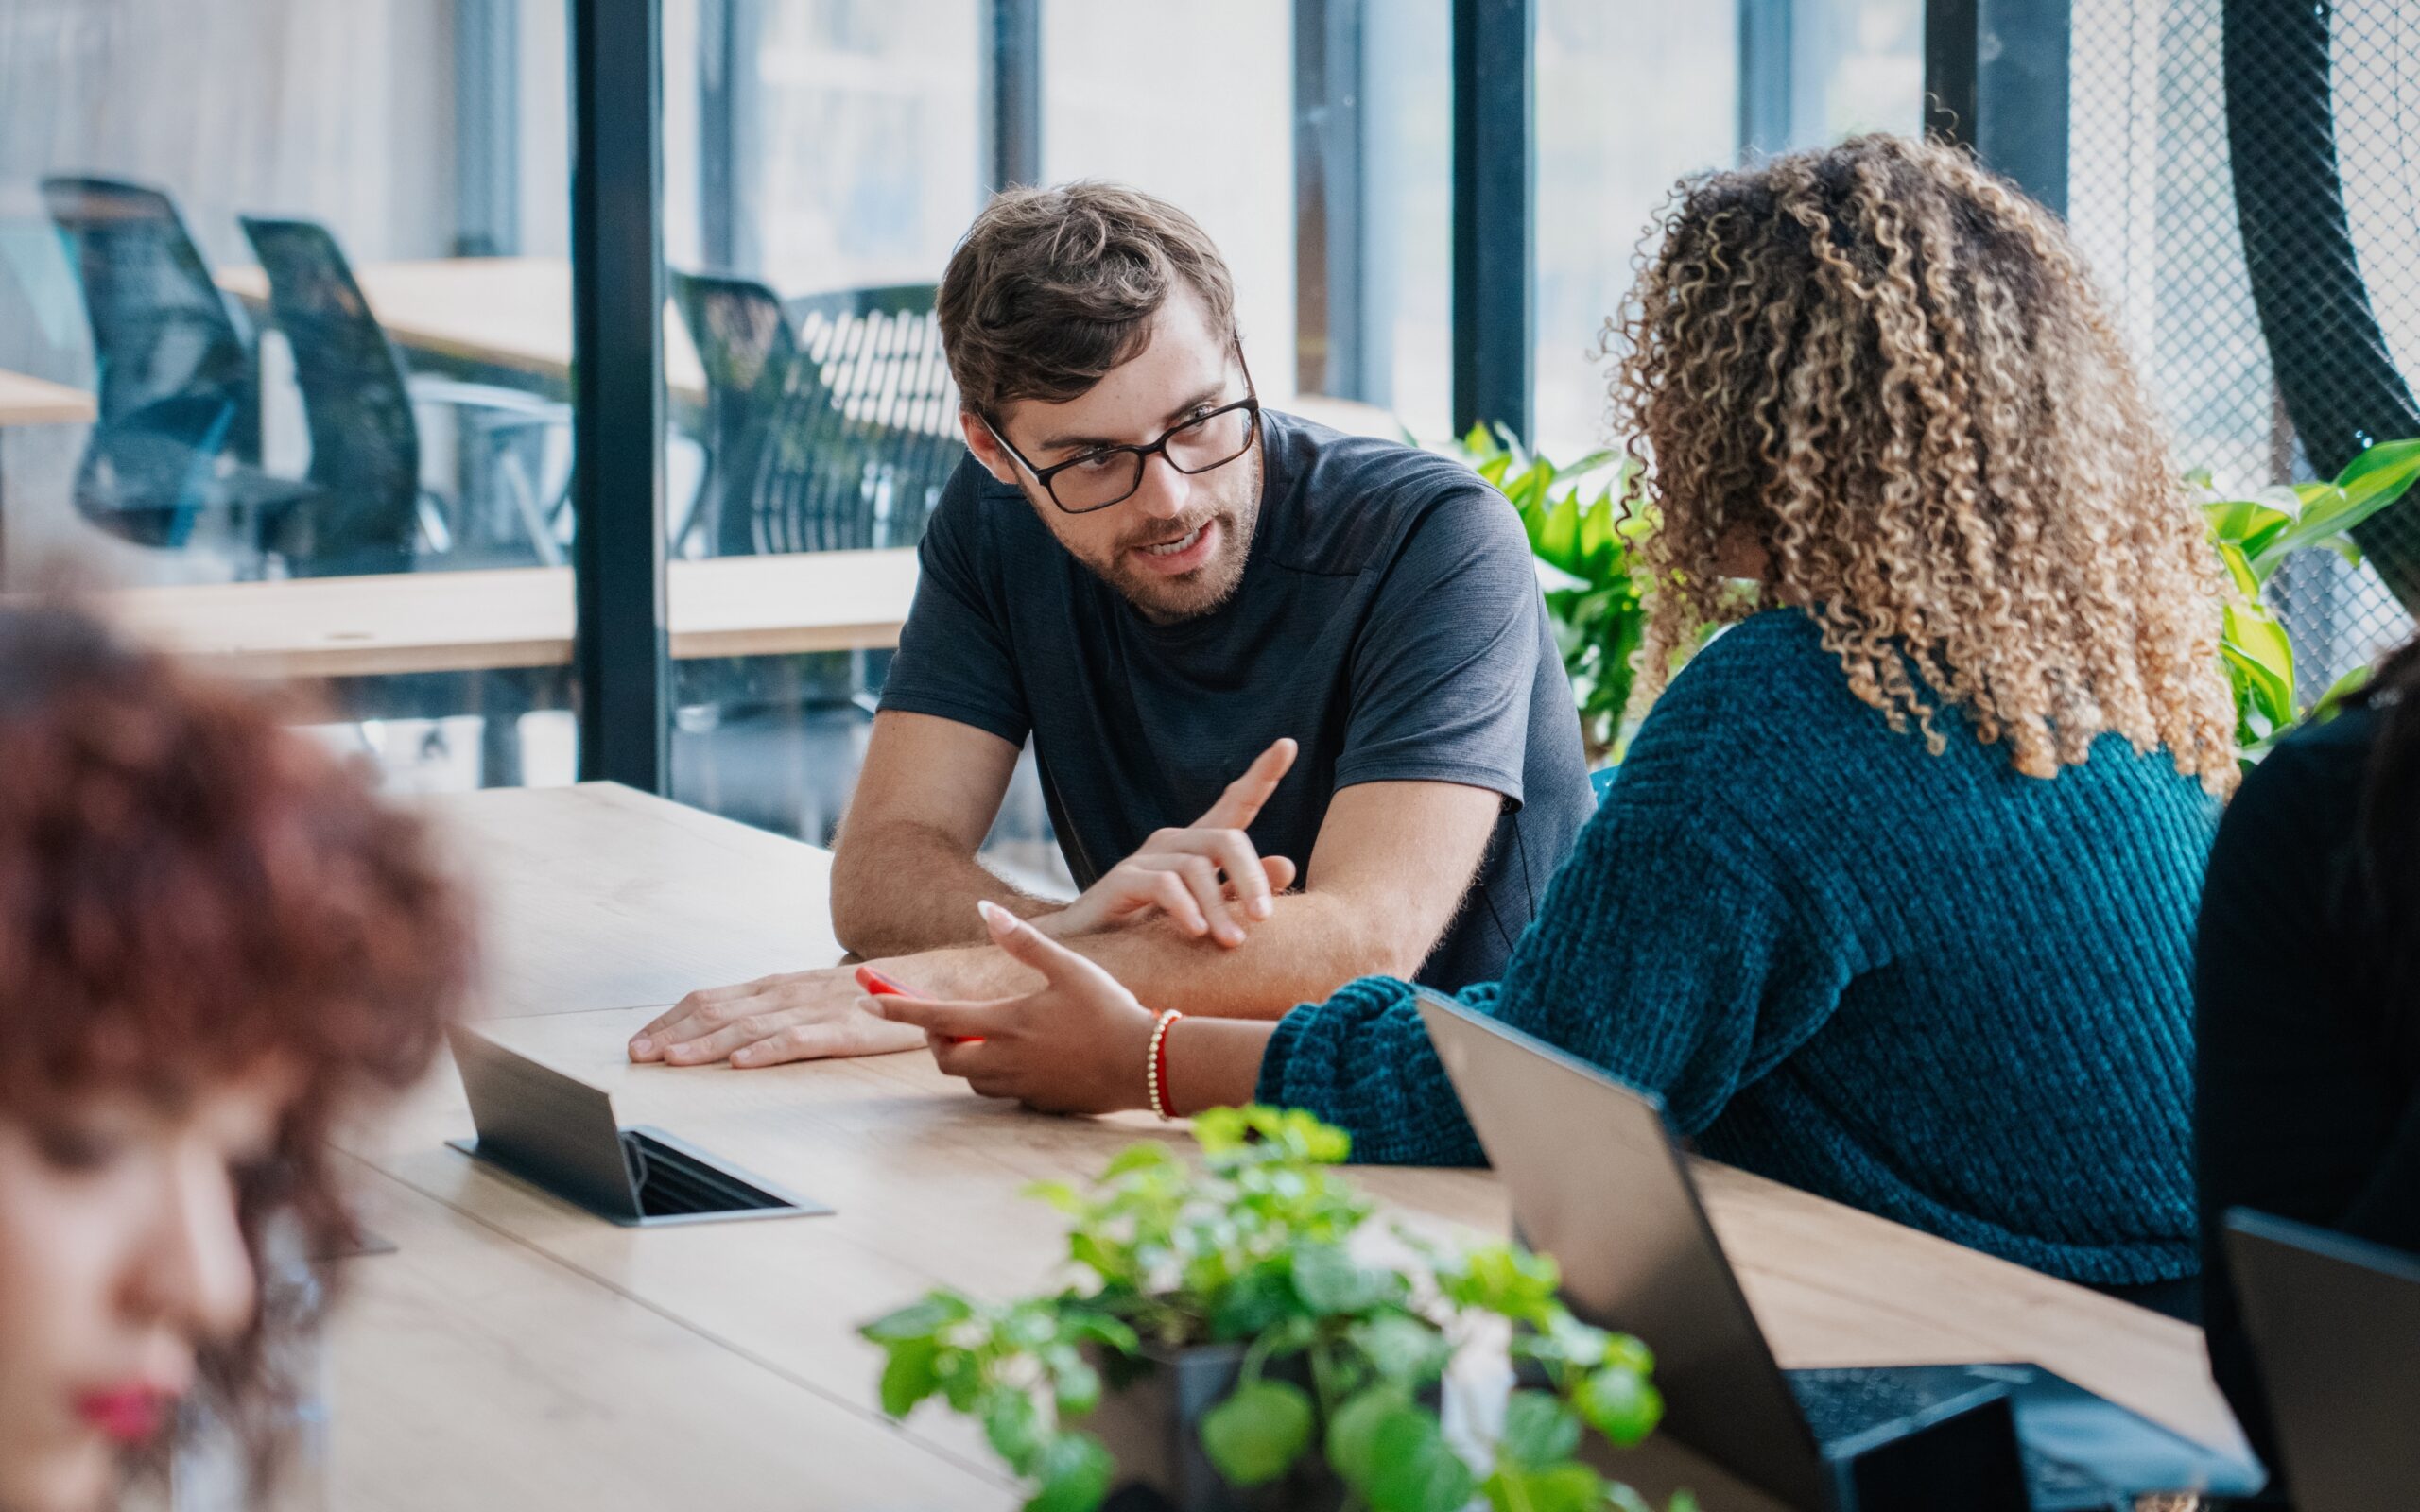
(908, 889)
(1312, 945)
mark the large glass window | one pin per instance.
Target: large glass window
(821, 156)
(1858, 65)
(1197, 111)
(284, 330)
(1630, 95)
(1407, 75)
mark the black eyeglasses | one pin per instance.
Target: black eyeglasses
(1110, 475)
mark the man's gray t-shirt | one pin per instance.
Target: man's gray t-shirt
(1388, 619)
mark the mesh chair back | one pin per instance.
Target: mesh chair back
(745, 345)
(867, 433)
(175, 366)
(365, 443)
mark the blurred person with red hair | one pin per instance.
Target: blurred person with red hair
(214, 942)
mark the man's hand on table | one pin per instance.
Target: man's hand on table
(792, 1016)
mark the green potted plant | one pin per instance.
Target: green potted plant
(1585, 540)
(1231, 1341)
(2255, 534)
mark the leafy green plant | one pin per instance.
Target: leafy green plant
(1587, 539)
(2254, 536)
(1259, 1246)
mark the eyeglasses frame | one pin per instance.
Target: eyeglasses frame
(1250, 404)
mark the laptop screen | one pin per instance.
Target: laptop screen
(557, 1130)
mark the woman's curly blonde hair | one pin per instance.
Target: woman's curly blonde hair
(1891, 371)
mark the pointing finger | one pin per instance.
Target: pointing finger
(1240, 803)
(1059, 966)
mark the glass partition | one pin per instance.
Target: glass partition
(284, 319)
(1630, 95)
(820, 161)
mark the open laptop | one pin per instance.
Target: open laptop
(558, 1133)
(1599, 1183)
(2335, 1324)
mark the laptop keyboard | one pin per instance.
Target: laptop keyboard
(1842, 1402)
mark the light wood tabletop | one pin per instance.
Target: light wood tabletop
(472, 1371)
(26, 400)
(498, 312)
(521, 616)
(602, 905)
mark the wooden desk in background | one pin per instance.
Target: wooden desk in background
(26, 400)
(514, 312)
(521, 616)
(510, 313)
(602, 905)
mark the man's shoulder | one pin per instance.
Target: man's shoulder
(986, 524)
(1354, 503)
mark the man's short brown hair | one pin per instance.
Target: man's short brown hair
(1052, 288)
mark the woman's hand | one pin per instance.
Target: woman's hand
(1077, 1045)
(1177, 872)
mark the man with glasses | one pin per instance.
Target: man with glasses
(1249, 650)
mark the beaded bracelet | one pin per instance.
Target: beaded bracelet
(1155, 1065)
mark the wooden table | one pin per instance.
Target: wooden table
(510, 313)
(26, 400)
(521, 616)
(602, 905)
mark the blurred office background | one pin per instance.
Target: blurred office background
(309, 265)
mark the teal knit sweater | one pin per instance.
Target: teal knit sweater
(1925, 985)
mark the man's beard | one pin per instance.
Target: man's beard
(1207, 588)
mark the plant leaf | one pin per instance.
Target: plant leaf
(1558, 537)
(2369, 483)
(1351, 1433)
(1074, 1470)
(1257, 1433)
(1414, 1469)
(1566, 1487)
(908, 1376)
(2239, 570)
(1538, 1430)
(1403, 1349)
(1013, 1425)
(1145, 1156)
(2254, 645)
(1329, 1280)
(1060, 1195)
(1618, 1403)
(919, 1319)
(1075, 1385)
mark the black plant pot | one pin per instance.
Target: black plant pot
(1149, 1419)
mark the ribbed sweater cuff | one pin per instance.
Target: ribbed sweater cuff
(1272, 1086)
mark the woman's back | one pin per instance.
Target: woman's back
(1960, 958)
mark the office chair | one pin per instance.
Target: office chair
(867, 435)
(177, 431)
(835, 435)
(747, 349)
(358, 401)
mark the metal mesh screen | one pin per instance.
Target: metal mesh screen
(2265, 259)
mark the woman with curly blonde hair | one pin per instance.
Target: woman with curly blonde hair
(1894, 899)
